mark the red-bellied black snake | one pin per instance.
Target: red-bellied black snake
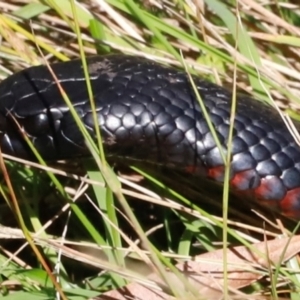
(149, 112)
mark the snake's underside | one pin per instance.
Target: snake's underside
(149, 112)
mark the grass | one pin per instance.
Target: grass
(81, 205)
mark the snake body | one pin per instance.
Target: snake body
(149, 112)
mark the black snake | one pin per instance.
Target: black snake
(149, 112)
